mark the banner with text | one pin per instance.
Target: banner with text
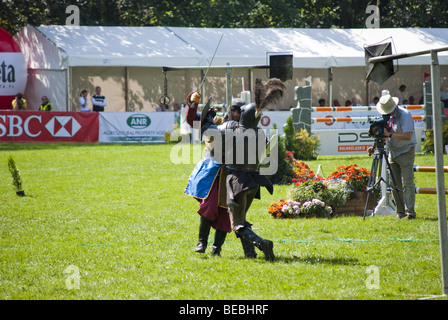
(36, 126)
(135, 126)
(350, 141)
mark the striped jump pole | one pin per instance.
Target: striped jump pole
(332, 119)
(427, 190)
(427, 169)
(422, 190)
(363, 108)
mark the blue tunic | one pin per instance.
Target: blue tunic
(202, 178)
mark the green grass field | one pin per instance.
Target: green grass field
(117, 216)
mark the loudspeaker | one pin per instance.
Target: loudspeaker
(381, 71)
(280, 66)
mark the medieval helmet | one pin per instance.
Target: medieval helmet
(249, 117)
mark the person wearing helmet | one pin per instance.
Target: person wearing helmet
(244, 180)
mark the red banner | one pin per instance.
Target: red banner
(35, 126)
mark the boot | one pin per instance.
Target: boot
(204, 231)
(266, 246)
(248, 247)
(220, 238)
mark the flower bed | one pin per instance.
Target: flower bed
(342, 192)
(290, 209)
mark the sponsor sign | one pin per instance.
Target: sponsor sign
(268, 118)
(351, 141)
(35, 126)
(135, 126)
(13, 70)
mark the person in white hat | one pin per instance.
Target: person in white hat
(401, 139)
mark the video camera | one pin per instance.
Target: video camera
(378, 125)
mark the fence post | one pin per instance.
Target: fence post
(301, 115)
(427, 101)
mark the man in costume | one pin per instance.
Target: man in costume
(243, 177)
(204, 184)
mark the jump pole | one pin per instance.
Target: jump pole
(438, 151)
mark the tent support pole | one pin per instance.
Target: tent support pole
(68, 73)
(126, 89)
(330, 86)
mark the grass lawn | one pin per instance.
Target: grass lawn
(117, 216)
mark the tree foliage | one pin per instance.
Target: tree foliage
(15, 14)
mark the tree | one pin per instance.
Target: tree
(15, 14)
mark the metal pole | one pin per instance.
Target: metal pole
(228, 91)
(440, 179)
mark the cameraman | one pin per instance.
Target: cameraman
(400, 134)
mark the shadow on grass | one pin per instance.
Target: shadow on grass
(305, 260)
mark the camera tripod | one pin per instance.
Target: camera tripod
(372, 183)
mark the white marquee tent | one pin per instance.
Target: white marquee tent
(127, 61)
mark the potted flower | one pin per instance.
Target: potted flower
(284, 209)
(316, 208)
(355, 176)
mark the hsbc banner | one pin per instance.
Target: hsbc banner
(34, 126)
(124, 127)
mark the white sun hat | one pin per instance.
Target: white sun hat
(387, 104)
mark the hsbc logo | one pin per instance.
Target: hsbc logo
(63, 126)
(58, 126)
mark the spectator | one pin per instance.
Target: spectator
(336, 103)
(321, 102)
(83, 101)
(18, 103)
(162, 107)
(98, 100)
(374, 102)
(400, 93)
(348, 103)
(444, 98)
(45, 106)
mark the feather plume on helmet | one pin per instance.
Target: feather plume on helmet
(267, 93)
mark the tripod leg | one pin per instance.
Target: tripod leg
(394, 186)
(371, 182)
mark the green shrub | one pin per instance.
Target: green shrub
(333, 192)
(304, 145)
(428, 144)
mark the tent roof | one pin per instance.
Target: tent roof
(57, 47)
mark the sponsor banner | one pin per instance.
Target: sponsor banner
(351, 141)
(35, 126)
(268, 118)
(135, 126)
